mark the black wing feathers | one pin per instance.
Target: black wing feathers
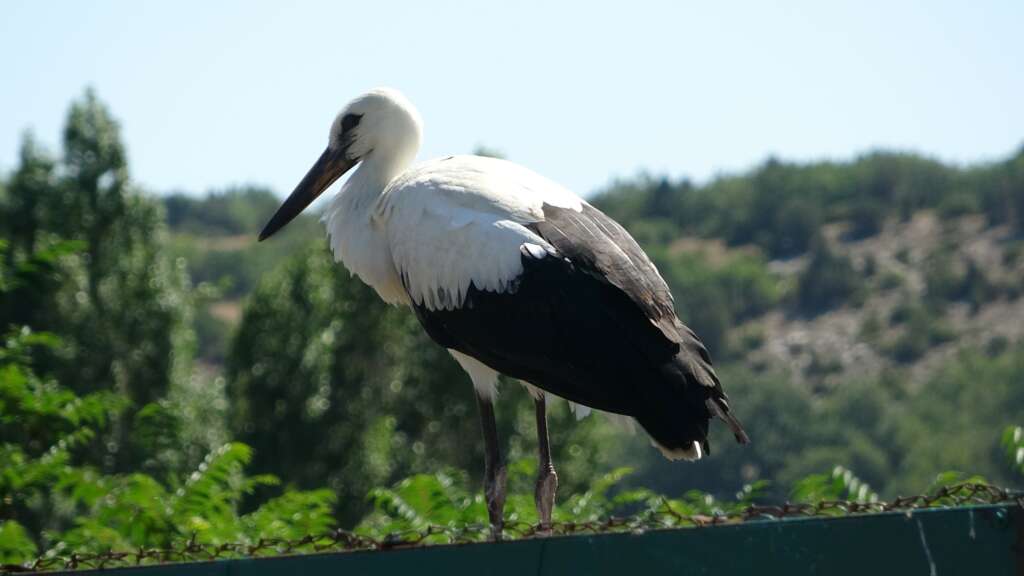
(599, 245)
(593, 322)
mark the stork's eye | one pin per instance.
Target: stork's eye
(350, 121)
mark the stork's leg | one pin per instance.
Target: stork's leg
(547, 480)
(494, 467)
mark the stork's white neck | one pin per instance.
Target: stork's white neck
(365, 184)
(377, 168)
(356, 240)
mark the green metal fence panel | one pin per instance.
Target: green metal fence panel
(983, 540)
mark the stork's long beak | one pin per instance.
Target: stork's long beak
(331, 165)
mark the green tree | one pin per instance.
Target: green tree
(53, 495)
(315, 373)
(128, 306)
(51, 500)
(27, 193)
(31, 256)
(241, 210)
(830, 280)
(122, 308)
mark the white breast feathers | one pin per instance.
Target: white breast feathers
(461, 220)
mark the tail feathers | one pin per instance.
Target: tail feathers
(720, 408)
(692, 452)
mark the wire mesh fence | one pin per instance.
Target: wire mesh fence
(663, 517)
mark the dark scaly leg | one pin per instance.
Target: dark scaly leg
(494, 468)
(547, 480)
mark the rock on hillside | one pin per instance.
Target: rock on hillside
(932, 286)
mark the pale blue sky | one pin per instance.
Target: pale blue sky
(212, 94)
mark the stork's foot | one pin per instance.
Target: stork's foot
(544, 496)
(494, 494)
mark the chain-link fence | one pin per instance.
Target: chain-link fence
(661, 517)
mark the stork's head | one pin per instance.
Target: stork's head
(380, 127)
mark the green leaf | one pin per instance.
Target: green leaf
(840, 484)
(16, 547)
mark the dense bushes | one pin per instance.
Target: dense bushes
(1001, 188)
(828, 281)
(947, 281)
(712, 296)
(228, 213)
(923, 328)
(896, 437)
(50, 499)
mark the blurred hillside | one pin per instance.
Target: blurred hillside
(865, 313)
(216, 235)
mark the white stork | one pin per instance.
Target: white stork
(514, 275)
